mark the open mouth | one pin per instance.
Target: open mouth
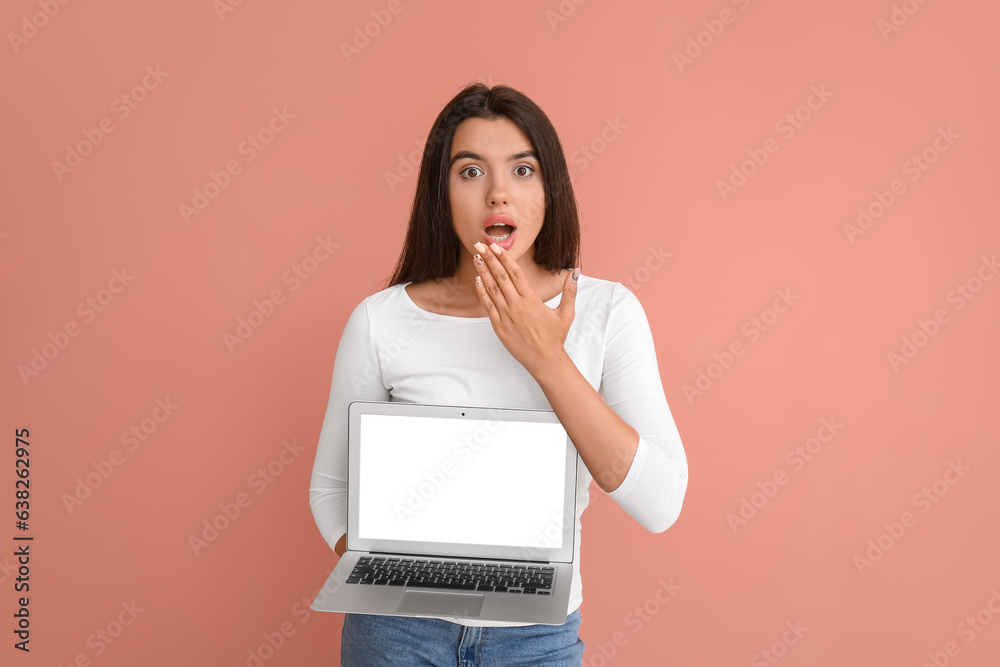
(499, 227)
(499, 232)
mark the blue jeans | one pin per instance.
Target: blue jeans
(388, 641)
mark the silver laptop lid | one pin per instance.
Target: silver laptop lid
(460, 481)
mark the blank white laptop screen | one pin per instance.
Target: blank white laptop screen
(429, 479)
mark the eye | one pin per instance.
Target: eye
(465, 173)
(524, 170)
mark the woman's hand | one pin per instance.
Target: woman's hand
(533, 333)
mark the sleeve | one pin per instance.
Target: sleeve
(356, 376)
(654, 487)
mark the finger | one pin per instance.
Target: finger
(498, 273)
(487, 301)
(567, 304)
(510, 265)
(490, 285)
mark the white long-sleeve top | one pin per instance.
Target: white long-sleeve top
(393, 350)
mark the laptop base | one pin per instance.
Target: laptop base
(339, 596)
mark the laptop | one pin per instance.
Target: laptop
(456, 512)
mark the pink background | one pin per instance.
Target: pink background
(659, 138)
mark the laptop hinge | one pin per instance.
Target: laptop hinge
(434, 557)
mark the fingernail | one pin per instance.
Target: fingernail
(477, 259)
(479, 280)
(495, 248)
(576, 274)
(480, 246)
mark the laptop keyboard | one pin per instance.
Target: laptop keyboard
(453, 575)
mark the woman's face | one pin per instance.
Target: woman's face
(495, 179)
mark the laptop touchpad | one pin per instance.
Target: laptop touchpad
(426, 603)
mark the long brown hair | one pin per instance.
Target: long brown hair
(431, 249)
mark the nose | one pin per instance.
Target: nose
(498, 195)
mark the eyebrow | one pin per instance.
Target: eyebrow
(461, 155)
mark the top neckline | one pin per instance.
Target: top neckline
(430, 313)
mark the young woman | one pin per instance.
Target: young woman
(485, 308)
